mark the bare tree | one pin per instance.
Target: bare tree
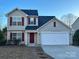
(69, 19)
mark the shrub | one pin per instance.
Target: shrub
(1, 36)
(17, 41)
(9, 42)
(2, 40)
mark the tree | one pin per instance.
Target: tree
(76, 38)
(1, 35)
(69, 19)
(4, 29)
(0, 22)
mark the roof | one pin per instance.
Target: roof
(75, 21)
(41, 21)
(30, 12)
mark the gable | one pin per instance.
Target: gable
(17, 13)
(25, 12)
(49, 26)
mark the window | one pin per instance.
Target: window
(54, 24)
(13, 36)
(19, 36)
(32, 21)
(19, 23)
(16, 20)
(16, 36)
(13, 23)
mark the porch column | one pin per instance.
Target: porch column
(38, 39)
(25, 40)
(8, 35)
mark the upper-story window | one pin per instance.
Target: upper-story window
(32, 21)
(16, 21)
(54, 24)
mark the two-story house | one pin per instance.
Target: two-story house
(34, 30)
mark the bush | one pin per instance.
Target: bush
(1, 36)
(13, 42)
(9, 42)
(3, 42)
(17, 41)
(76, 38)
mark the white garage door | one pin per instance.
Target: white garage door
(55, 38)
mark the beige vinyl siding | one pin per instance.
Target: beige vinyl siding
(17, 13)
(50, 27)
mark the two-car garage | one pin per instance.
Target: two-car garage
(55, 38)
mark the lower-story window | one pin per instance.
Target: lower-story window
(13, 36)
(19, 36)
(16, 36)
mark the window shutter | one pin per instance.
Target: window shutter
(28, 20)
(22, 21)
(10, 36)
(10, 21)
(22, 36)
(34, 20)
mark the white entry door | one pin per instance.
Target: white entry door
(55, 38)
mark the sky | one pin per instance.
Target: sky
(56, 8)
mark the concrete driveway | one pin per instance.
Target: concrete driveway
(62, 52)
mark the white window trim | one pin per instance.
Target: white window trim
(17, 16)
(17, 36)
(31, 20)
(34, 24)
(16, 21)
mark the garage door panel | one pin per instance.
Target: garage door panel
(55, 38)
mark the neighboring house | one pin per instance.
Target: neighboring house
(75, 25)
(34, 30)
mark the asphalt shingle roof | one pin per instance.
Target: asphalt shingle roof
(30, 12)
(41, 21)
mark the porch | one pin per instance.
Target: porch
(28, 38)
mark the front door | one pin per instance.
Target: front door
(31, 38)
